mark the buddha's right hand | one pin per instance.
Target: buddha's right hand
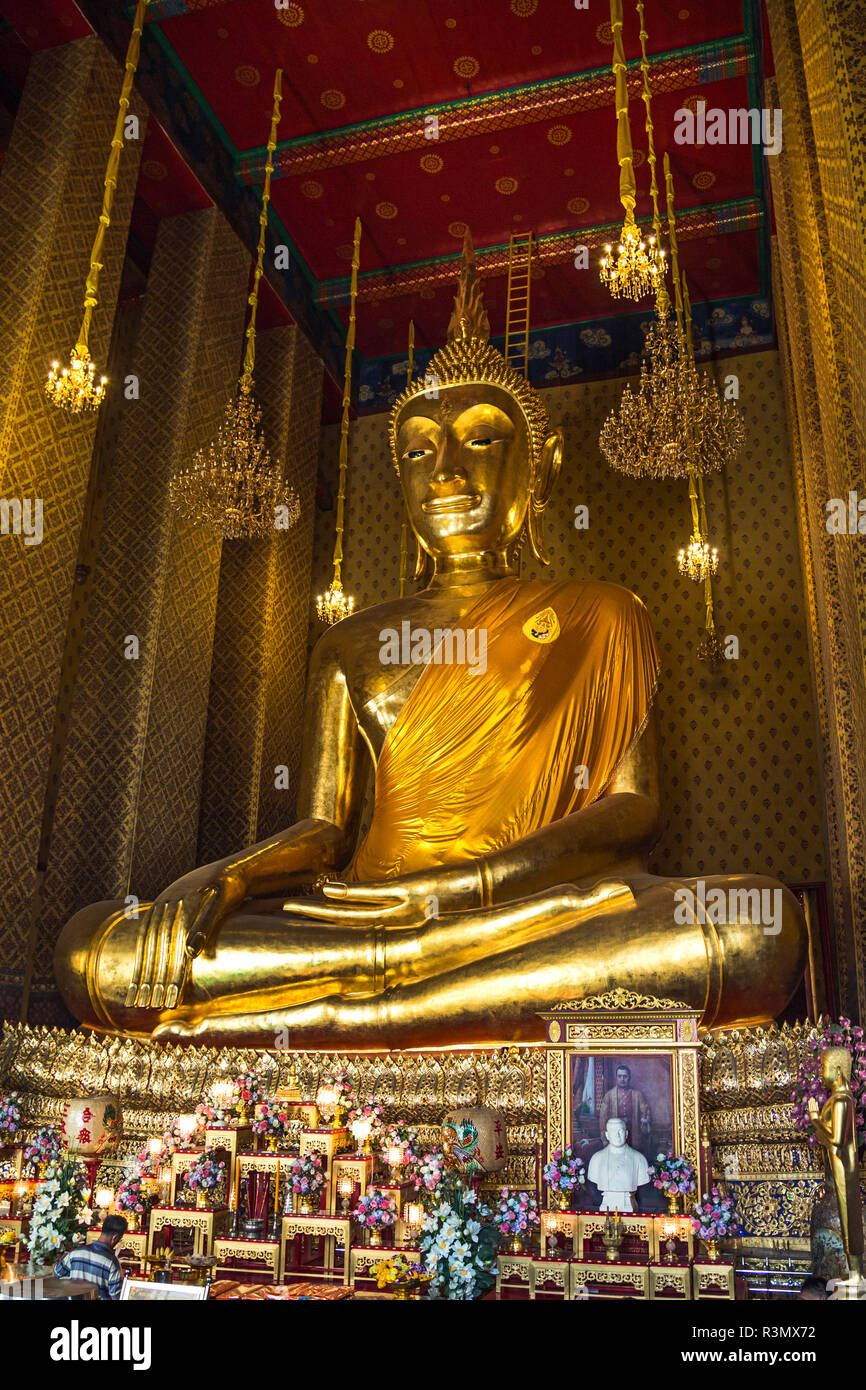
(175, 929)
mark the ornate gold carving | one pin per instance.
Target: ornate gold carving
(620, 998)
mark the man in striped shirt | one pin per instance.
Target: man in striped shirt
(97, 1262)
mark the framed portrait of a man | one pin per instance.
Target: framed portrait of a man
(622, 1084)
(635, 1088)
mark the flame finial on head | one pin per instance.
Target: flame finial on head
(469, 316)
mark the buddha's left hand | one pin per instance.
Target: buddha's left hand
(405, 901)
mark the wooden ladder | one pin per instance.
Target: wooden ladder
(517, 304)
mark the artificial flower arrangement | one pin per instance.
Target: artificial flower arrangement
(205, 1175)
(375, 1212)
(249, 1089)
(46, 1146)
(371, 1113)
(60, 1218)
(171, 1141)
(564, 1172)
(10, 1117)
(343, 1088)
(271, 1121)
(458, 1243)
(401, 1272)
(715, 1218)
(307, 1177)
(429, 1172)
(673, 1175)
(515, 1213)
(130, 1194)
(405, 1138)
(209, 1117)
(809, 1085)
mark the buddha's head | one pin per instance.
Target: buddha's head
(471, 441)
(835, 1061)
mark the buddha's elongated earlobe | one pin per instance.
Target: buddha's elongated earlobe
(542, 486)
(423, 569)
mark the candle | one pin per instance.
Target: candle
(277, 1190)
(395, 1156)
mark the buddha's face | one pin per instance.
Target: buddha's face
(465, 469)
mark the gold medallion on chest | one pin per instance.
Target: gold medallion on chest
(542, 627)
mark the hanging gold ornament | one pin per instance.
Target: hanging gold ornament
(638, 268)
(76, 388)
(334, 605)
(231, 487)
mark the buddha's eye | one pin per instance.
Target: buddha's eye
(479, 443)
(414, 453)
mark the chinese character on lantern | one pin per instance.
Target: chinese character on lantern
(87, 1114)
(84, 1136)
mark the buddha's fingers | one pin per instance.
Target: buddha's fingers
(160, 963)
(137, 964)
(178, 965)
(151, 945)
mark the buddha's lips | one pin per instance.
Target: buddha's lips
(461, 502)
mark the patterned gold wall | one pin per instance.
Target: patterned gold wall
(259, 661)
(818, 185)
(739, 750)
(130, 786)
(50, 195)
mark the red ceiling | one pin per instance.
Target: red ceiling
(516, 181)
(351, 61)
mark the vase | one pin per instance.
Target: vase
(515, 1245)
(712, 1249)
(305, 1206)
(272, 1143)
(375, 1237)
(673, 1203)
(201, 1202)
(562, 1200)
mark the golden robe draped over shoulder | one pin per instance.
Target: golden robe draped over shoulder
(477, 759)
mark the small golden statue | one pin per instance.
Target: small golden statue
(836, 1132)
(511, 727)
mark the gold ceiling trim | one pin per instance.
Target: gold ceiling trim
(549, 250)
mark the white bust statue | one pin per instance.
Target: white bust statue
(617, 1170)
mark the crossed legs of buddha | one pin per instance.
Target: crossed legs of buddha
(479, 976)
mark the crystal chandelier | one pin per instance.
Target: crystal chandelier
(75, 388)
(638, 269)
(334, 604)
(675, 419)
(231, 487)
(698, 561)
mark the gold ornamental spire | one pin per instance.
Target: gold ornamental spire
(75, 388)
(231, 487)
(335, 605)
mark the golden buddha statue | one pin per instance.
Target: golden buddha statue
(836, 1132)
(511, 729)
